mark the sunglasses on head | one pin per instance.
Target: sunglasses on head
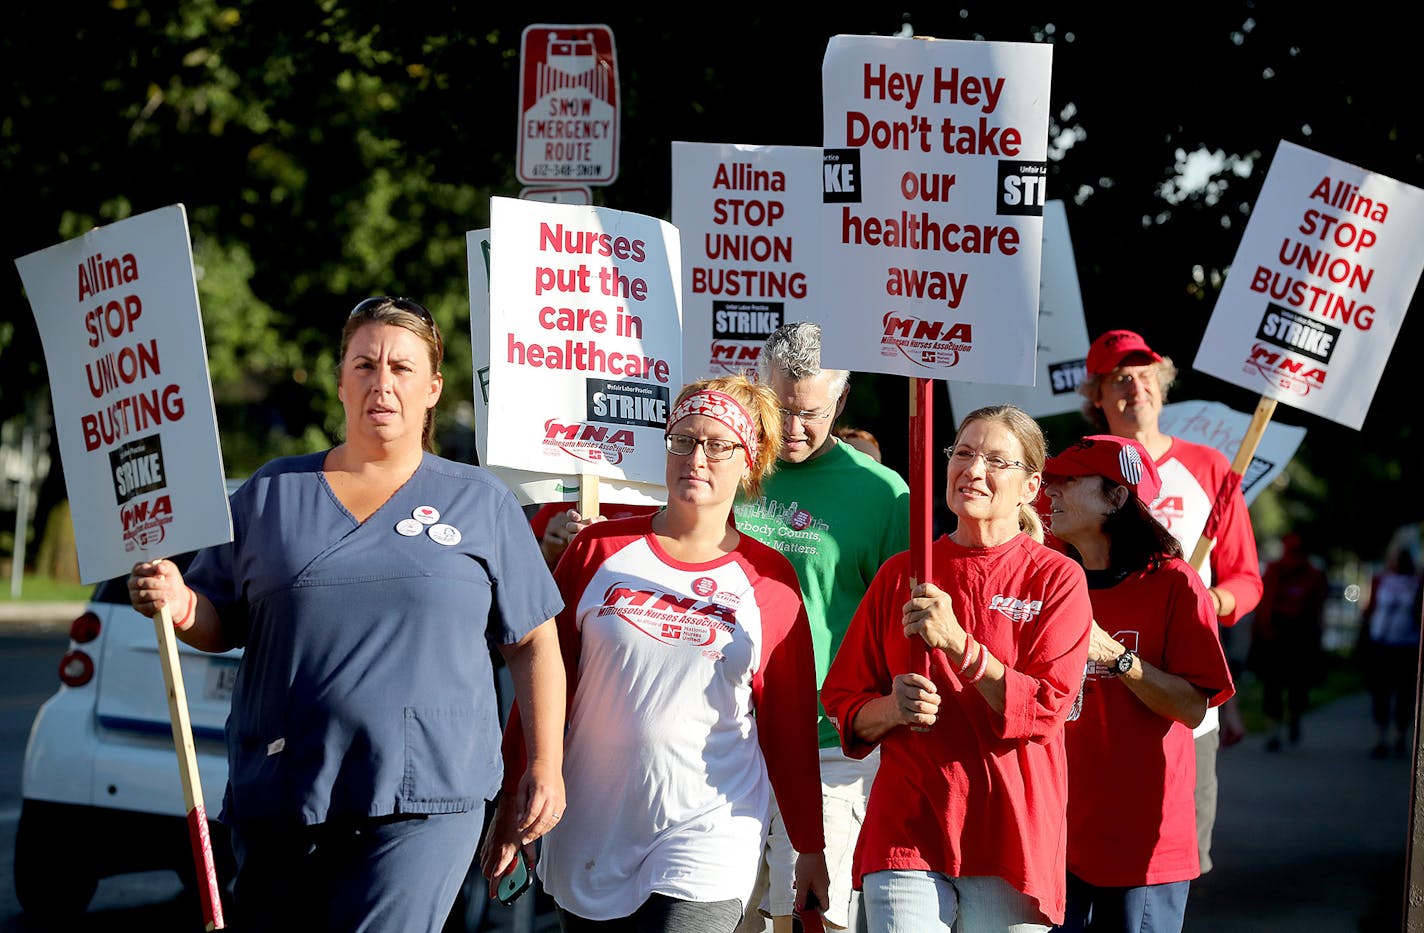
(403, 304)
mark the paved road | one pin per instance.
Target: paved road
(1311, 838)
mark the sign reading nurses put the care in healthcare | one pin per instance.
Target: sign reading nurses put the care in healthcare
(934, 177)
(749, 218)
(1319, 286)
(585, 339)
(117, 312)
(528, 486)
(568, 105)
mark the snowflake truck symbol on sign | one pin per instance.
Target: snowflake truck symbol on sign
(568, 106)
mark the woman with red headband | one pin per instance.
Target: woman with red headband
(692, 694)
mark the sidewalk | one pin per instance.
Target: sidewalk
(1310, 838)
(21, 617)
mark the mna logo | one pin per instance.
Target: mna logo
(1018, 610)
(1281, 370)
(588, 442)
(144, 522)
(928, 344)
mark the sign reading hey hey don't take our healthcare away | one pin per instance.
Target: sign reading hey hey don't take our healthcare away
(585, 339)
(934, 181)
(117, 312)
(749, 220)
(1319, 286)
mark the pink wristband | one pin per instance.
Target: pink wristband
(187, 619)
(967, 659)
(981, 667)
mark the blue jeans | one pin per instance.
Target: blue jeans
(1148, 908)
(925, 901)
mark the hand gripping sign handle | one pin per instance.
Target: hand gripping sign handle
(921, 509)
(1252, 439)
(188, 770)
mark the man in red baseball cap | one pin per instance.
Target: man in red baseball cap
(1125, 390)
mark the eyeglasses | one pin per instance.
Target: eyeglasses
(403, 304)
(807, 415)
(965, 457)
(715, 448)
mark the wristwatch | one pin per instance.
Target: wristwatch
(1123, 664)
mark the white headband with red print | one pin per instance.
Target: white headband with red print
(719, 406)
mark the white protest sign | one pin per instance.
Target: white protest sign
(749, 218)
(1217, 425)
(568, 105)
(527, 486)
(934, 174)
(1062, 337)
(585, 339)
(1319, 286)
(117, 312)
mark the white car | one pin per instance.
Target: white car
(100, 783)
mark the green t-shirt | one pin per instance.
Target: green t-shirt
(836, 518)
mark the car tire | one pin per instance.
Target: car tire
(54, 878)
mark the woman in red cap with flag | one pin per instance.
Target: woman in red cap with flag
(1155, 667)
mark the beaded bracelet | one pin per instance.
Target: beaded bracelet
(981, 667)
(967, 659)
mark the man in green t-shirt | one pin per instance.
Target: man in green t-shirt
(836, 514)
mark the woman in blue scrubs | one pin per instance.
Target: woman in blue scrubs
(365, 584)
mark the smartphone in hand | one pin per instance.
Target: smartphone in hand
(516, 882)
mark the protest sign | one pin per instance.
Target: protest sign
(934, 176)
(1062, 337)
(749, 220)
(1319, 286)
(529, 487)
(585, 339)
(1217, 425)
(117, 313)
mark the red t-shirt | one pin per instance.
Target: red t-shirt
(980, 793)
(1132, 773)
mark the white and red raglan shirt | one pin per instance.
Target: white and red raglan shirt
(1201, 497)
(692, 694)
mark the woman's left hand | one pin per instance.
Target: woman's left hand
(1103, 647)
(930, 615)
(812, 878)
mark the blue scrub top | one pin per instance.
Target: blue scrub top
(366, 686)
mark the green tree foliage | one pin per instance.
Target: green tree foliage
(327, 151)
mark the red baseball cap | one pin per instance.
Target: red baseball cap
(1120, 459)
(1111, 348)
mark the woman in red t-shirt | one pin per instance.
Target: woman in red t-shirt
(1155, 666)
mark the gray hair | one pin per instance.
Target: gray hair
(1091, 389)
(794, 351)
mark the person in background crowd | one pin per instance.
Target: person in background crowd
(1389, 628)
(365, 583)
(862, 440)
(1155, 665)
(1286, 633)
(555, 523)
(836, 515)
(1201, 497)
(966, 826)
(692, 695)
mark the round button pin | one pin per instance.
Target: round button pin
(444, 534)
(409, 527)
(426, 514)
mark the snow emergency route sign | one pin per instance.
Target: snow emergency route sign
(568, 105)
